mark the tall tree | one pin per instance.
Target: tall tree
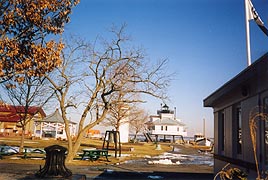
(32, 92)
(25, 47)
(101, 74)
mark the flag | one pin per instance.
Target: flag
(253, 15)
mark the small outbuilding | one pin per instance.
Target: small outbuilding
(240, 110)
(53, 126)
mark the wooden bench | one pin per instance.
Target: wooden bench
(94, 154)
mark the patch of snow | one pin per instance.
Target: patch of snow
(155, 177)
(109, 170)
(147, 156)
(178, 162)
(161, 161)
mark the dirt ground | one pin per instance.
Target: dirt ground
(21, 170)
(121, 171)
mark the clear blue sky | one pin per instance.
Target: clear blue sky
(204, 41)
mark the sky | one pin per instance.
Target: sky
(204, 41)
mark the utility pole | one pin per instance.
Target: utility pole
(175, 113)
(204, 127)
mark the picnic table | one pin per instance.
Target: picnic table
(95, 154)
(34, 153)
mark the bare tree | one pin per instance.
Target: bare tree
(138, 119)
(100, 75)
(32, 91)
(119, 111)
(124, 109)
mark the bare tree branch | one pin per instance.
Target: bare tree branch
(114, 80)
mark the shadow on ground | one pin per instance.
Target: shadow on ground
(117, 175)
(114, 175)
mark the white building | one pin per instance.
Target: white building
(165, 124)
(124, 125)
(124, 132)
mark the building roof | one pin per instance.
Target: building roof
(54, 118)
(9, 113)
(254, 71)
(167, 121)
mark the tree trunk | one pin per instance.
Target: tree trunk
(117, 126)
(22, 141)
(70, 154)
(135, 137)
(73, 148)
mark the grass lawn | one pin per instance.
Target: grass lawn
(129, 150)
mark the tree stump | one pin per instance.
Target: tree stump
(55, 163)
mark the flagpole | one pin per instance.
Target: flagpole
(247, 33)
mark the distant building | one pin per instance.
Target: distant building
(10, 117)
(93, 133)
(124, 132)
(53, 126)
(124, 125)
(165, 124)
(233, 103)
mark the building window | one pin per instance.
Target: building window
(166, 128)
(221, 131)
(162, 128)
(238, 128)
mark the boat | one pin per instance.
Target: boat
(198, 137)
